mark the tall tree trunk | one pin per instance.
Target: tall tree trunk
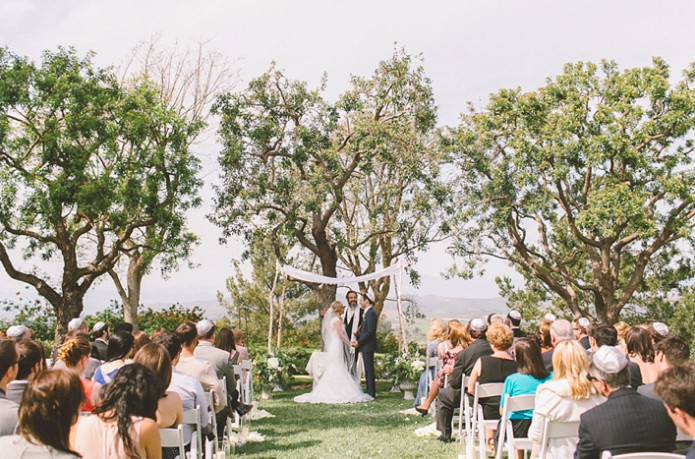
(130, 295)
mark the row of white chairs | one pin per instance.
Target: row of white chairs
(173, 437)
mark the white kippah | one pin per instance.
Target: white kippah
(661, 328)
(583, 322)
(550, 317)
(16, 332)
(514, 315)
(478, 324)
(75, 324)
(204, 327)
(609, 359)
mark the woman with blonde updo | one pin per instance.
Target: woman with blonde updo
(75, 354)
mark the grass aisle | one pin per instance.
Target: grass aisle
(364, 430)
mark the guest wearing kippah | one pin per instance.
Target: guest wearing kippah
(625, 423)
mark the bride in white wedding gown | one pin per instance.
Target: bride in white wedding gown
(337, 384)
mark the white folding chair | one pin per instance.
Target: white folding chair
(484, 391)
(645, 455)
(430, 368)
(173, 438)
(193, 417)
(247, 373)
(462, 413)
(209, 396)
(512, 404)
(557, 429)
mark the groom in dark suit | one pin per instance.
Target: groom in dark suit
(366, 343)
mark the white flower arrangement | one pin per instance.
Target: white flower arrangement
(273, 363)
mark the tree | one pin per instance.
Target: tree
(584, 186)
(71, 192)
(187, 81)
(341, 181)
(251, 297)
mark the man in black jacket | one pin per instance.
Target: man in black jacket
(625, 423)
(449, 397)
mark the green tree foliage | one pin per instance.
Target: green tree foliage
(356, 181)
(585, 186)
(186, 81)
(85, 165)
(250, 299)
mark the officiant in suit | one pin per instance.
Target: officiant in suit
(353, 321)
(366, 343)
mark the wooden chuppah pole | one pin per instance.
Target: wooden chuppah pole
(271, 312)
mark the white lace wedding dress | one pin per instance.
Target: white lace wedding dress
(337, 384)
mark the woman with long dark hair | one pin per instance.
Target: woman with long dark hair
(169, 405)
(121, 346)
(49, 408)
(530, 373)
(224, 339)
(123, 425)
(640, 348)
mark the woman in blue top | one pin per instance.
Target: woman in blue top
(530, 374)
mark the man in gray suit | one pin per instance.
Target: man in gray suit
(220, 361)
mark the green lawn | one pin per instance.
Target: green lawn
(374, 429)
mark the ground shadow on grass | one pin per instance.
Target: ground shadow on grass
(364, 430)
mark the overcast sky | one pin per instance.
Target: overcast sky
(470, 50)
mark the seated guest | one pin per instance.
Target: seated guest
(19, 333)
(188, 387)
(50, 407)
(564, 398)
(8, 370)
(119, 349)
(220, 361)
(459, 339)
(169, 407)
(436, 336)
(515, 318)
(31, 360)
(625, 423)
(622, 328)
(224, 339)
(493, 368)
(605, 335)
(101, 334)
(560, 330)
(140, 338)
(75, 353)
(543, 335)
(201, 370)
(243, 351)
(123, 425)
(530, 373)
(92, 363)
(676, 387)
(668, 351)
(580, 327)
(449, 397)
(657, 331)
(640, 349)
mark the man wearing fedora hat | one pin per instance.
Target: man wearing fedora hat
(625, 423)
